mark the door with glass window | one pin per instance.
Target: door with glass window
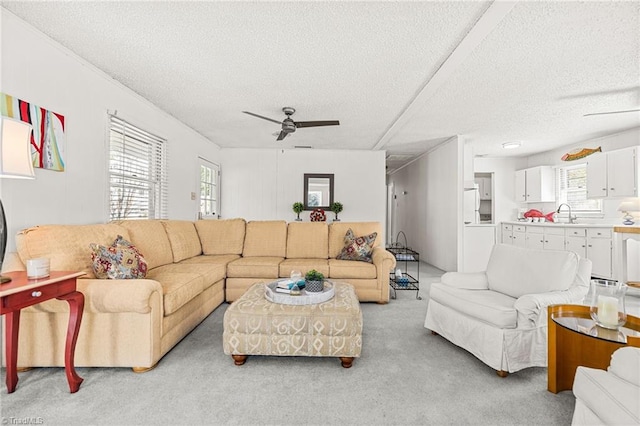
(209, 199)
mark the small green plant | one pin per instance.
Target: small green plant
(314, 275)
(298, 208)
(336, 207)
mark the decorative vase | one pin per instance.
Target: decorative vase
(298, 218)
(314, 286)
(607, 303)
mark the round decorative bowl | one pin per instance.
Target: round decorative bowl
(314, 286)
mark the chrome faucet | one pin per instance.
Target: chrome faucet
(572, 218)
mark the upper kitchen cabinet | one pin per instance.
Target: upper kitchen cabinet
(613, 174)
(535, 185)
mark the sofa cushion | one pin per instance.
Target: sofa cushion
(121, 260)
(357, 248)
(337, 231)
(349, 269)
(220, 259)
(151, 239)
(178, 287)
(66, 246)
(254, 267)
(304, 266)
(265, 238)
(225, 236)
(307, 240)
(485, 305)
(210, 273)
(183, 238)
(516, 271)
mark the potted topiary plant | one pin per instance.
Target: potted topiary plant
(314, 281)
(298, 208)
(336, 207)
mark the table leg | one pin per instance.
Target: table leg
(76, 307)
(12, 325)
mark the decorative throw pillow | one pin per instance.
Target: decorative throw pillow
(318, 215)
(121, 260)
(357, 248)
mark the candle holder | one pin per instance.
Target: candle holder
(607, 303)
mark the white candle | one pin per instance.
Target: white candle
(608, 310)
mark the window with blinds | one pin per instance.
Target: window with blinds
(137, 172)
(572, 189)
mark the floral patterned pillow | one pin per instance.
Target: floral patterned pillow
(357, 248)
(121, 260)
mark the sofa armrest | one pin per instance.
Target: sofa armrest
(113, 296)
(379, 255)
(466, 280)
(532, 308)
(625, 363)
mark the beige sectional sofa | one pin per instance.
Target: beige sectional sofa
(193, 267)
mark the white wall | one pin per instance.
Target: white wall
(430, 213)
(38, 70)
(263, 184)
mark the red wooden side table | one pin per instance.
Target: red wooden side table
(20, 293)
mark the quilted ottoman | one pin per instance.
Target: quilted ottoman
(255, 326)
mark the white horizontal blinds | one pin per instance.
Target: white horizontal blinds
(137, 172)
(573, 189)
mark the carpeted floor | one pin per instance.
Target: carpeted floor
(405, 376)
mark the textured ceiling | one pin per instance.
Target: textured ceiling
(400, 76)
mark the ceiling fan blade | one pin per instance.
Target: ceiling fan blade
(300, 124)
(611, 112)
(282, 135)
(264, 118)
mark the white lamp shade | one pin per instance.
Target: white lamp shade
(15, 153)
(630, 205)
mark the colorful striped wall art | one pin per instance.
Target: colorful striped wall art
(48, 137)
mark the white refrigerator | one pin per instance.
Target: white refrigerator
(471, 204)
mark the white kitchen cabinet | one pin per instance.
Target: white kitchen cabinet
(594, 243)
(484, 187)
(507, 234)
(553, 242)
(519, 236)
(577, 245)
(613, 174)
(535, 185)
(600, 251)
(535, 237)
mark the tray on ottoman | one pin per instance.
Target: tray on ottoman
(255, 326)
(304, 298)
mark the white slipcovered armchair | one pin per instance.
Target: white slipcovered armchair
(500, 315)
(610, 397)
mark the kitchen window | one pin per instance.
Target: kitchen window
(137, 172)
(572, 189)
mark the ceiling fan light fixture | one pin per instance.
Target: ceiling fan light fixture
(511, 145)
(289, 126)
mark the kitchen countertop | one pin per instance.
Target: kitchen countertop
(564, 225)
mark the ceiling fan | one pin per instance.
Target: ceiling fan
(611, 112)
(290, 126)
